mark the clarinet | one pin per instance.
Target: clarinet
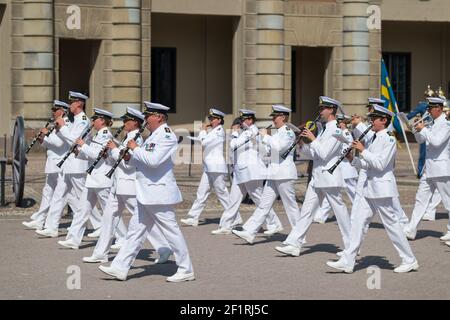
(73, 147)
(37, 136)
(297, 139)
(103, 152)
(124, 152)
(248, 140)
(347, 150)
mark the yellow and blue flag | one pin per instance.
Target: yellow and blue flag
(387, 94)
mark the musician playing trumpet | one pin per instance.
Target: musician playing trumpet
(97, 186)
(249, 174)
(123, 196)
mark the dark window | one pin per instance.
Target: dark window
(398, 66)
(164, 77)
(294, 80)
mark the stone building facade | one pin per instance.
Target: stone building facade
(197, 54)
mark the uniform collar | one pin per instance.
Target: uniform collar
(331, 124)
(379, 133)
(160, 128)
(80, 114)
(133, 132)
(441, 118)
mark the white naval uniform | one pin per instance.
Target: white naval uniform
(71, 182)
(97, 184)
(121, 196)
(281, 176)
(249, 175)
(157, 193)
(436, 170)
(324, 151)
(350, 175)
(378, 161)
(360, 128)
(56, 149)
(214, 170)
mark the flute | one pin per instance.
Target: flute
(124, 152)
(347, 150)
(37, 136)
(103, 152)
(249, 139)
(73, 147)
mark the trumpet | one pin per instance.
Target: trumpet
(347, 150)
(36, 137)
(125, 151)
(103, 152)
(310, 125)
(73, 147)
(411, 124)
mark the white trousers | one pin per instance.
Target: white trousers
(254, 189)
(51, 180)
(69, 188)
(427, 188)
(112, 221)
(210, 180)
(89, 198)
(434, 202)
(313, 198)
(325, 209)
(142, 222)
(273, 188)
(362, 215)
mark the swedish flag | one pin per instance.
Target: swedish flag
(387, 94)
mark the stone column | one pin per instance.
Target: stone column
(126, 55)
(270, 56)
(33, 76)
(355, 56)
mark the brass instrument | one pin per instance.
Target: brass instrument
(412, 123)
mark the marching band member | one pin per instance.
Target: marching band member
(157, 193)
(97, 185)
(249, 175)
(73, 177)
(214, 168)
(360, 127)
(349, 173)
(56, 148)
(281, 176)
(123, 195)
(324, 150)
(437, 168)
(379, 191)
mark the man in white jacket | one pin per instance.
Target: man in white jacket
(281, 175)
(214, 168)
(97, 185)
(123, 195)
(378, 160)
(156, 193)
(437, 165)
(249, 174)
(56, 148)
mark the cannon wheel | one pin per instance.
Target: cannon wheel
(18, 160)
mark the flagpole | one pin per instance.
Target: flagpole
(406, 141)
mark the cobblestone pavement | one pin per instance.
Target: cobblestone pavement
(225, 267)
